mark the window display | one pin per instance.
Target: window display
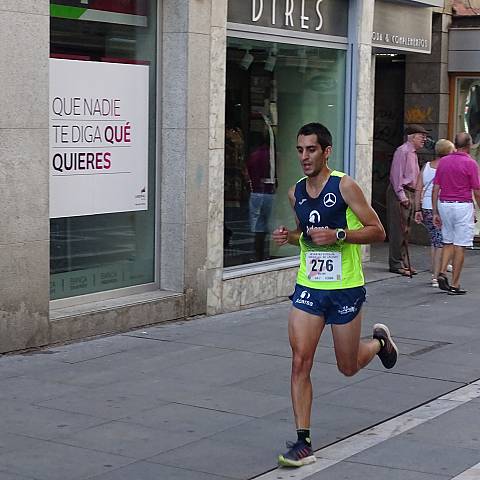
(103, 145)
(467, 118)
(272, 90)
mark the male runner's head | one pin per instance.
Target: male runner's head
(324, 137)
(314, 145)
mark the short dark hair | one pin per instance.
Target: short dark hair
(463, 140)
(324, 137)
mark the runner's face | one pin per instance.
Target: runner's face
(312, 158)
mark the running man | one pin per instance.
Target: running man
(333, 219)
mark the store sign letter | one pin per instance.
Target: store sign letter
(256, 15)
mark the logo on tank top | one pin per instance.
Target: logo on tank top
(314, 217)
(329, 200)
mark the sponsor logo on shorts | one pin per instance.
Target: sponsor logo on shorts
(346, 310)
(304, 299)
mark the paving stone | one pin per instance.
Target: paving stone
(43, 423)
(27, 389)
(52, 461)
(101, 402)
(380, 399)
(12, 476)
(456, 427)
(221, 370)
(153, 471)
(233, 461)
(404, 453)
(96, 348)
(128, 439)
(238, 401)
(185, 419)
(356, 471)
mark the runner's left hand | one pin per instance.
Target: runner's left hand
(323, 236)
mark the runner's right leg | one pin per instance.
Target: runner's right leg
(304, 330)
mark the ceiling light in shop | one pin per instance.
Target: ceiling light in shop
(303, 64)
(271, 60)
(246, 61)
(270, 63)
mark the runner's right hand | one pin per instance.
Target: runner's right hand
(280, 235)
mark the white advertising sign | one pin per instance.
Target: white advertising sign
(98, 137)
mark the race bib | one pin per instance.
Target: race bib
(324, 266)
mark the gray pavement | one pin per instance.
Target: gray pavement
(208, 399)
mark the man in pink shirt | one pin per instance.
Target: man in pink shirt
(401, 198)
(457, 177)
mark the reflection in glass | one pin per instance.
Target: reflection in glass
(272, 90)
(467, 118)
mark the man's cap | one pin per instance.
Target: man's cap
(414, 128)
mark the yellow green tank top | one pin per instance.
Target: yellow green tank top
(327, 267)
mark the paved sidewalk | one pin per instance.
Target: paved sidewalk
(208, 399)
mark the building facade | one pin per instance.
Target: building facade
(138, 138)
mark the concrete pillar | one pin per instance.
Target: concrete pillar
(24, 225)
(185, 139)
(218, 52)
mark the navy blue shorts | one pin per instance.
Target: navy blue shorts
(335, 306)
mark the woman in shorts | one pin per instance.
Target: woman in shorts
(423, 204)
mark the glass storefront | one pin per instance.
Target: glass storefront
(102, 144)
(467, 116)
(272, 90)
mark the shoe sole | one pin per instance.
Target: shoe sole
(285, 462)
(456, 293)
(387, 331)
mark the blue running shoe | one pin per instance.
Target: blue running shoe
(298, 454)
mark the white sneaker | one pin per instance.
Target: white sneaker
(434, 283)
(449, 268)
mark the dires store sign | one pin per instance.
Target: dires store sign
(98, 137)
(329, 17)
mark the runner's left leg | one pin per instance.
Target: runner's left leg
(351, 353)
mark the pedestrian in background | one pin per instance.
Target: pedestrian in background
(423, 204)
(457, 178)
(401, 198)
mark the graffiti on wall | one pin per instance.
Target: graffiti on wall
(417, 114)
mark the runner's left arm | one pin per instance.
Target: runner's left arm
(372, 230)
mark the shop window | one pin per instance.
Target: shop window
(272, 90)
(467, 116)
(102, 145)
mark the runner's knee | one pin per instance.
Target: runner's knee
(301, 363)
(348, 369)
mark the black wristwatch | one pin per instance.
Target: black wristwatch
(341, 234)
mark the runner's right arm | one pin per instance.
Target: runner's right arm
(281, 235)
